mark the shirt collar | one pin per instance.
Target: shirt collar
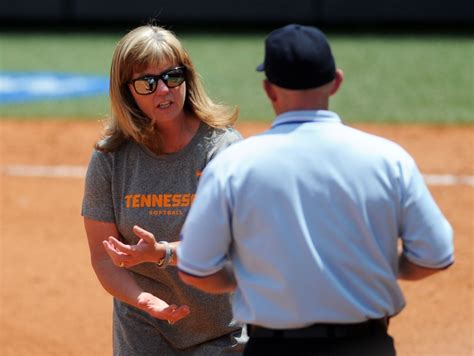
(301, 116)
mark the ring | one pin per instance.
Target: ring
(121, 264)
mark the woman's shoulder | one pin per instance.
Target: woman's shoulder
(231, 132)
(110, 152)
(227, 134)
(218, 139)
(108, 156)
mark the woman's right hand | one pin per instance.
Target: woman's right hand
(118, 282)
(159, 309)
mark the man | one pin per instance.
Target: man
(307, 216)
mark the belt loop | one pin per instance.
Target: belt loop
(384, 321)
(376, 324)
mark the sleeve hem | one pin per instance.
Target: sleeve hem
(196, 272)
(440, 265)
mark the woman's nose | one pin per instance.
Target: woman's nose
(161, 88)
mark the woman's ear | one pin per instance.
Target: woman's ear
(337, 81)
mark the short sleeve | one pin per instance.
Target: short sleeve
(206, 234)
(97, 202)
(427, 235)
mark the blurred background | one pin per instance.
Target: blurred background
(414, 56)
(237, 12)
(409, 77)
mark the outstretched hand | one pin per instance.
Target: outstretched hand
(162, 310)
(146, 250)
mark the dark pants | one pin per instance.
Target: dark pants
(333, 340)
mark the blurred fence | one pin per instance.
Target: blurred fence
(239, 12)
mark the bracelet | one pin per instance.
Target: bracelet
(166, 260)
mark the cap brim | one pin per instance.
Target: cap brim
(261, 68)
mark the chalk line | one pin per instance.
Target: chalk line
(19, 170)
(448, 179)
(67, 171)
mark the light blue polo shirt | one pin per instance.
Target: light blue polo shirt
(310, 214)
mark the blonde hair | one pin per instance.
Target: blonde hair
(148, 46)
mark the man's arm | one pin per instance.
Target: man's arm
(223, 281)
(412, 272)
(206, 236)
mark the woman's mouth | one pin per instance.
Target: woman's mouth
(164, 104)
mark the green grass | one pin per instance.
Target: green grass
(427, 79)
(396, 78)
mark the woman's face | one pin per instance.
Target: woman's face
(165, 104)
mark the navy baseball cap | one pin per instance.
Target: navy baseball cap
(298, 57)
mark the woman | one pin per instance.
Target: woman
(163, 131)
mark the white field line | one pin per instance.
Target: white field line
(17, 170)
(448, 179)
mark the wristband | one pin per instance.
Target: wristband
(166, 260)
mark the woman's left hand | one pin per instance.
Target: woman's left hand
(146, 250)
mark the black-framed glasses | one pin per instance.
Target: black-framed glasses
(147, 84)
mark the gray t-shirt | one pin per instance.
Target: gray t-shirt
(133, 186)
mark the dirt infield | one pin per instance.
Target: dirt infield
(52, 304)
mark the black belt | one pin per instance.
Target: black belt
(321, 330)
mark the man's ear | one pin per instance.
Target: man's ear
(269, 90)
(337, 81)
